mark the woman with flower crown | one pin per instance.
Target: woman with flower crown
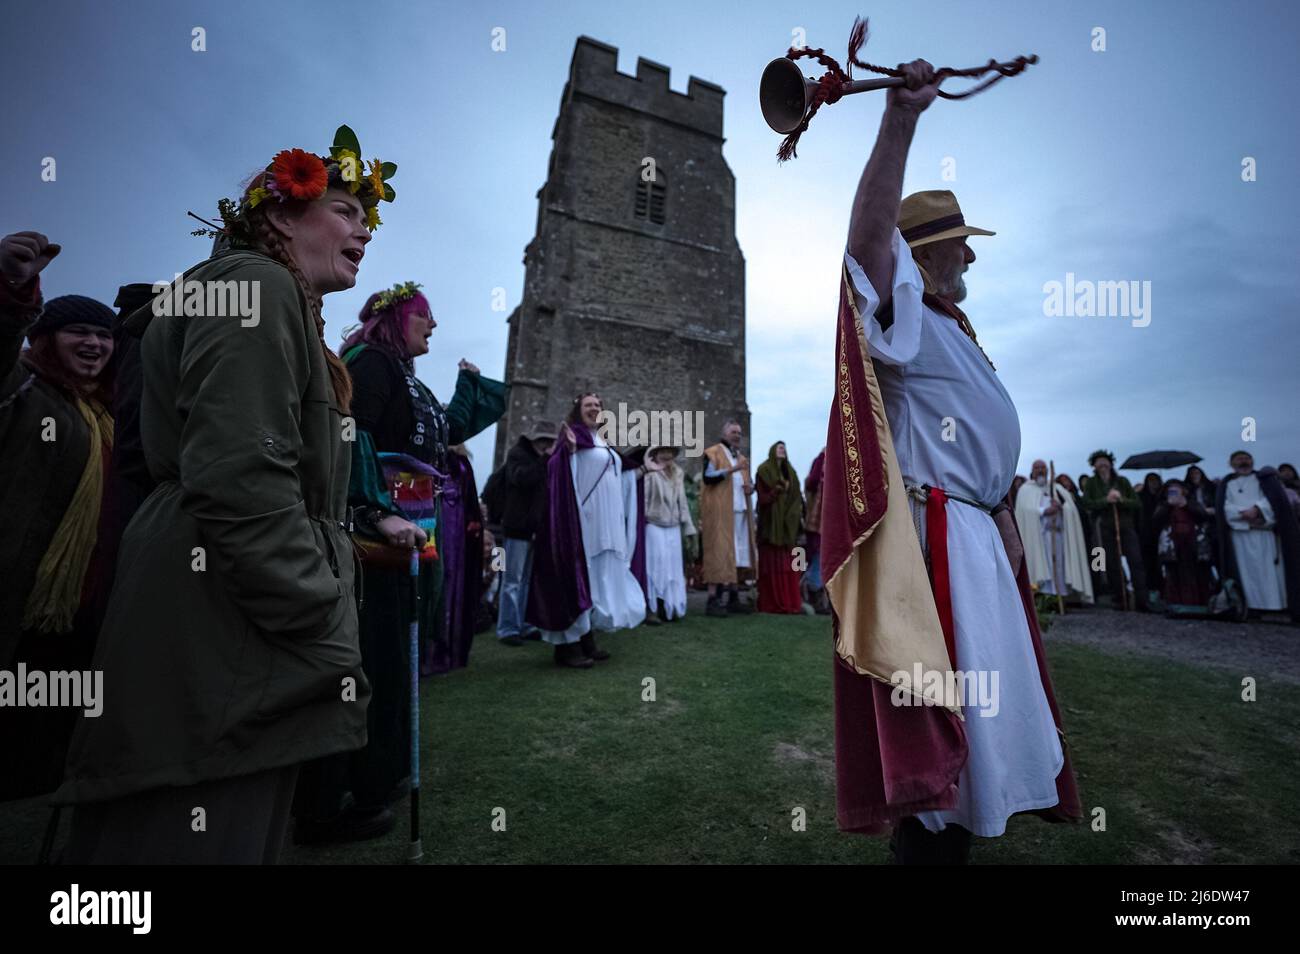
(396, 413)
(229, 648)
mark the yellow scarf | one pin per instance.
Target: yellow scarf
(57, 594)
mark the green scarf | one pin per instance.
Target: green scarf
(779, 522)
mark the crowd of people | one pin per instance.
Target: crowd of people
(607, 520)
(1192, 545)
(234, 524)
(239, 527)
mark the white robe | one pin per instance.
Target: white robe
(609, 538)
(954, 426)
(1054, 547)
(1259, 564)
(664, 573)
(740, 513)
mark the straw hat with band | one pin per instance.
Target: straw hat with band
(932, 216)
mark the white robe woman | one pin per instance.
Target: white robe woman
(668, 521)
(616, 598)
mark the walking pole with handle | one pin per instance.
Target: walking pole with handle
(416, 851)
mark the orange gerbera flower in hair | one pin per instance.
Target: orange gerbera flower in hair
(299, 174)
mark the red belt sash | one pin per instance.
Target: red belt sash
(936, 534)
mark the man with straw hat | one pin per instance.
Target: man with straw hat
(922, 560)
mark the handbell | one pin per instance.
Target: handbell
(784, 93)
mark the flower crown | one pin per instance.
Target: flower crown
(398, 293)
(298, 174)
(1102, 453)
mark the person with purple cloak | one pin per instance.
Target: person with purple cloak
(462, 568)
(633, 480)
(582, 580)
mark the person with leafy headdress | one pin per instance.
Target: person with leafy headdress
(1114, 508)
(229, 647)
(348, 797)
(780, 510)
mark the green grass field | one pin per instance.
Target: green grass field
(740, 734)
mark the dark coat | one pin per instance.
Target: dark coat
(1098, 507)
(250, 662)
(37, 477)
(525, 491)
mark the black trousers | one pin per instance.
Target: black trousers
(372, 777)
(244, 822)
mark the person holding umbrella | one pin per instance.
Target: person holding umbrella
(1113, 507)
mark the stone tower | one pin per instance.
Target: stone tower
(634, 283)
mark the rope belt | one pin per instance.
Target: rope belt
(921, 494)
(935, 501)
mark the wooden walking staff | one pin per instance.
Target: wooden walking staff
(789, 101)
(1060, 529)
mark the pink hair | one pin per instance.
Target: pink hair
(387, 328)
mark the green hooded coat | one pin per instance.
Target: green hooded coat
(779, 511)
(230, 642)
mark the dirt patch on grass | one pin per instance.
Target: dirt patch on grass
(1249, 649)
(662, 708)
(788, 753)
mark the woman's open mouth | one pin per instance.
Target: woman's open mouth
(354, 255)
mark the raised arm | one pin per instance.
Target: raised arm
(880, 190)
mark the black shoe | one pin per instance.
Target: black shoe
(511, 641)
(533, 634)
(570, 656)
(913, 844)
(715, 607)
(591, 650)
(662, 612)
(351, 825)
(651, 619)
(739, 606)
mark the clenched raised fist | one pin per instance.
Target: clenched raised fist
(24, 254)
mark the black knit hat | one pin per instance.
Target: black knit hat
(71, 310)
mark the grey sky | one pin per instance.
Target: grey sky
(1115, 165)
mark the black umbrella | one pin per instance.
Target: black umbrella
(1159, 460)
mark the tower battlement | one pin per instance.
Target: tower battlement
(594, 71)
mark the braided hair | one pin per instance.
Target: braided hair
(267, 240)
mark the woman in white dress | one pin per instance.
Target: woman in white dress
(667, 521)
(616, 598)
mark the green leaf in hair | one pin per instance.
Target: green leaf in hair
(345, 138)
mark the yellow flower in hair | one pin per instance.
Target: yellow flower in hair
(376, 179)
(373, 221)
(255, 196)
(350, 162)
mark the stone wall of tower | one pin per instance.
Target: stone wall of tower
(649, 315)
